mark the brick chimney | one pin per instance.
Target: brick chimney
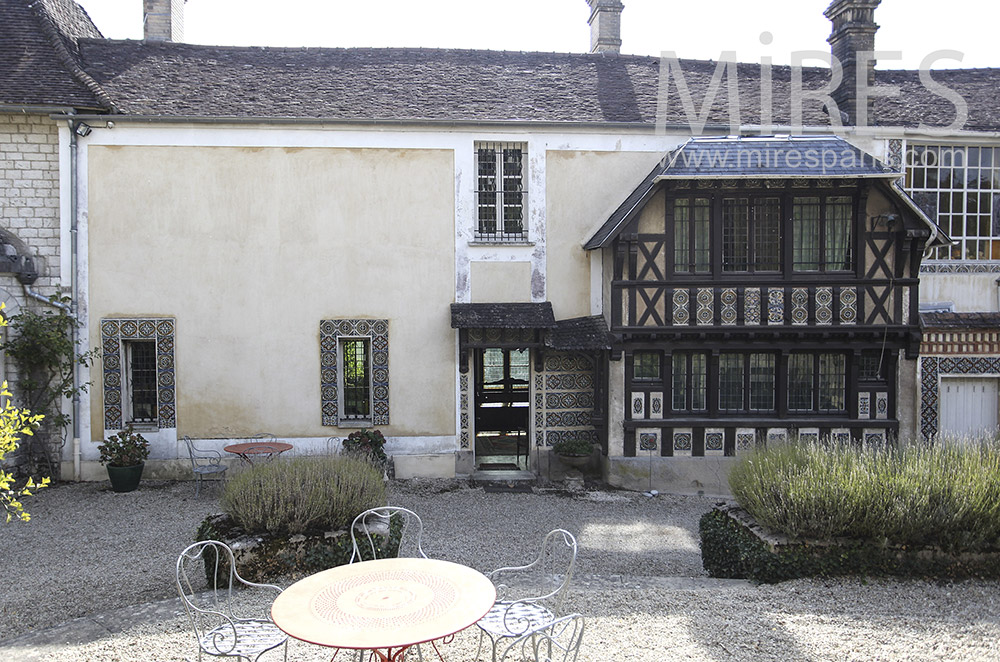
(605, 26)
(853, 32)
(163, 20)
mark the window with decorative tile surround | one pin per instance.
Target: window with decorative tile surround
(138, 372)
(354, 369)
(501, 191)
(958, 186)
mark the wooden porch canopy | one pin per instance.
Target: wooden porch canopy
(503, 325)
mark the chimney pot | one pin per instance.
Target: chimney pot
(605, 26)
(163, 20)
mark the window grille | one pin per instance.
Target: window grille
(140, 357)
(500, 191)
(959, 188)
(357, 383)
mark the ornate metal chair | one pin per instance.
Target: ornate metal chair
(219, 626)
(530, 596)
(204, 463)
(557, 641)
(375, 522)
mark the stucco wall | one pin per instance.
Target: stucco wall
(583, 188)
(971, 293)
(249, 248)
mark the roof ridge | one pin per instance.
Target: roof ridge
(73, 66)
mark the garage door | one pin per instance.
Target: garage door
(968, 406)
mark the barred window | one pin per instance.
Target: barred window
(140, 376)
(959, 187)
(357, 380)
(500, 191)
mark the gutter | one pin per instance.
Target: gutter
(74, 292)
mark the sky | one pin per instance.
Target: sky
(703, 29)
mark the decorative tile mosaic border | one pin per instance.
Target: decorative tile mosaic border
(800, 305)
(775, 305)
(656, 405)
(706, 306)
(330, 332)
(848, 305)
(463, 388)
(113, 332)
(715, 441)
(875, 437)
(960, 267)
(564, 399)
(649, 439)
(824, 305)
(682, 314)
(882, 405)
(864, 404)
(777, 435)
(751, 306)
(746, 440)
(931, 369)
(809, 435)
(683, 442)
(840, 435)
(729, 298)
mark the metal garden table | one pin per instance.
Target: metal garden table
(385, 606)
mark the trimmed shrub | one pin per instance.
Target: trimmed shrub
(303, 495)
(733, 547)
(926, 495)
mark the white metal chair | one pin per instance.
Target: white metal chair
(204, 462)
(557, 641)
(220, 626)
(530, 596)
(376, 522)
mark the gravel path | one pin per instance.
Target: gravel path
(640, 583)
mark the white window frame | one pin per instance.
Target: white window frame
(972, 246)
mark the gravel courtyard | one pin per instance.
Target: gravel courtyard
(91, 560)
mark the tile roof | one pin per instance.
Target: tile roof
(759, 157)
(502, 316)
(960, 320)
(772, 157)
(38, 50)
(175, 80)
(579, 333)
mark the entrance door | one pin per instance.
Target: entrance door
(968, 406)
(502, 408)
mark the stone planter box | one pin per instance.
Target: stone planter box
(733, 545)
(265, 557)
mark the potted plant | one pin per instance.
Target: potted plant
(369, 444)
(124, 454)
(574, 451)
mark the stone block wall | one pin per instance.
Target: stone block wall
(29, 194)
(29, 221)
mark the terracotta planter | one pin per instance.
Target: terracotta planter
(125, 479)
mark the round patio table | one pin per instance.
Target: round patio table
(385, 606)
(249, 451)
